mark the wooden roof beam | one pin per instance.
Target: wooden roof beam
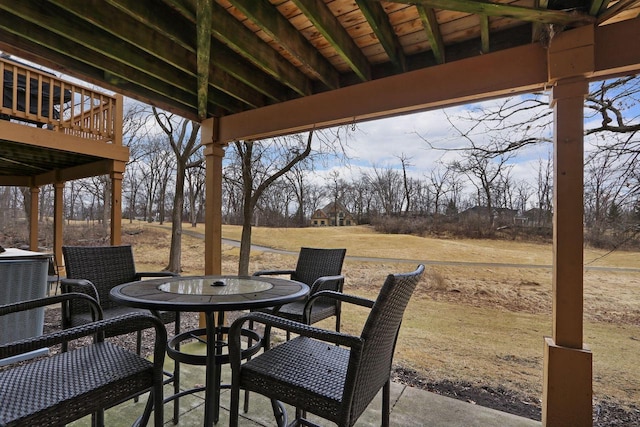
(224, 58)
(250, 46)
(523, 69)
(485, 42)
(327, 24)
(597, 6)
(430, 24)
(482, 7)
(91, 48)
(379, 22)
(203, 51)
(280, 29)
(115, 20)
(16, 39)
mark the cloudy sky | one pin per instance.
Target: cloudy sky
(381, 143)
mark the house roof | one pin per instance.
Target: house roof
(218, 58)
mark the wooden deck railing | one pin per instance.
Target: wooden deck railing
(38, 98)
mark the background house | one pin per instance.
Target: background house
(333, 214)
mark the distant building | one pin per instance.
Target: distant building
(332, 215)
(501, 216)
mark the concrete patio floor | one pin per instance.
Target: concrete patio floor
(409, 407)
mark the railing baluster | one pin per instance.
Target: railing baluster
(88, 114)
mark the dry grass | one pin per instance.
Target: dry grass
(480, 324)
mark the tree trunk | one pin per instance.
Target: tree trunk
(175, 251)
(245, 239)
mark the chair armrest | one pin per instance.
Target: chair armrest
(302, 329)
(80, 286)
(96, 313)
(351, 299)
(142, 274)
(273, 272)
(126, 323)
(321, 282)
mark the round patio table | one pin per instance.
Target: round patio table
(209, 295)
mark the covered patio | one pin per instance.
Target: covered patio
(248, 70)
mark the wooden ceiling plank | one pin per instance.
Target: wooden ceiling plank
(327, 24)
(481, 7)
(379, 22)
(431, 27)
(612, 11)
(267, 17)
(203, 51)
(226, 29)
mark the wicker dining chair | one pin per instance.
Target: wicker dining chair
(61, 388)
(95, 270)
(321, 270)
(330, 374)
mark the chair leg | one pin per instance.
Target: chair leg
(138, 351)
(148, 408)
(386, 406)
(280, 412)
(97, 418)
(176, 375)
(235, 406)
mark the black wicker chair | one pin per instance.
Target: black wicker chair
(321, 270)
(329, 374)
(56, 390)
(95, 270)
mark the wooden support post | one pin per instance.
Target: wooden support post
(58, 218)
(116, 203)
(214, 154)
(567, 380)
(33, 219)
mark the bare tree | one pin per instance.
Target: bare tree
(195, 195)
(182, 135)
(386, 184)
(484, 173)
(544, 192)
(406, 182)
(260, 168)
(438, 179)
(298, 182)
(336, 188)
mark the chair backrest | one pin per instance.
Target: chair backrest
(314, 263)
(104, 266)
(379, 334)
